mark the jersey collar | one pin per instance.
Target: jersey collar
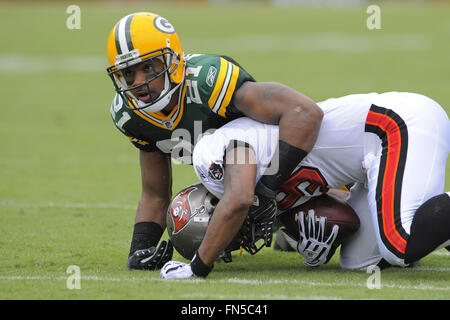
(159, 119)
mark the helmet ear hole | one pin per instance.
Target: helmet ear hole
(210, 202)
(214, 201)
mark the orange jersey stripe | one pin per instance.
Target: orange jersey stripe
(392, 131)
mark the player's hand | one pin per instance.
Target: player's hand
(152, 258)
(176, 270)
(314, 245)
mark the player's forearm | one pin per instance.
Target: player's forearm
(300, 125)
(226, 222)
(150, 223)
(299, 119)
(156, 179)
(298, 116)
(151, 208)
(231, 210)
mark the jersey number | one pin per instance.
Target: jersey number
(192, 94)
(307, 181)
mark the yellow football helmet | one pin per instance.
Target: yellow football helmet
(142, 37)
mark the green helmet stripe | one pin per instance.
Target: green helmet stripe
(122, 35)
(127, 32)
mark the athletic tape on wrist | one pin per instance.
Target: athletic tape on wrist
(145, 235)
(289, 158)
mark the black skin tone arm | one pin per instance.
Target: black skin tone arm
(298, 117)
(231, 210)
(156, 176)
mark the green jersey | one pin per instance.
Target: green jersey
(205, 102)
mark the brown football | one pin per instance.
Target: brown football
(336, 212)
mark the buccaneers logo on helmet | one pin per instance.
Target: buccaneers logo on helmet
(181, 210)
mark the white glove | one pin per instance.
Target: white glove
(312, 244)
(176, 270)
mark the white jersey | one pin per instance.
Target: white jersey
(393, 146)
(338, 154)
(335, 160)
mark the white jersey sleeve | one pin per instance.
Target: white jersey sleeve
(209, 152)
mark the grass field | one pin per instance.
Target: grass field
(70, 181)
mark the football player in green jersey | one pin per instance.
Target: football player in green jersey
(164, 96)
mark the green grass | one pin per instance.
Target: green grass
(70, 181)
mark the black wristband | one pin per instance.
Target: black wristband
(145, 235)
(199, 268)
(289, 158)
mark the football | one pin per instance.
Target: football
(336, 212)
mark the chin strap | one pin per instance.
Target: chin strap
(162, 103)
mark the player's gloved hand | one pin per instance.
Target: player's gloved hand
(176, 270)
(314, 245)
(152, 258)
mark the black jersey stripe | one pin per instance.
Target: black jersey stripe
(116, 37)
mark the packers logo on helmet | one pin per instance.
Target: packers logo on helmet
(163, 25)
(145, 37)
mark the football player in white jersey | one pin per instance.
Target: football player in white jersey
(393, 147)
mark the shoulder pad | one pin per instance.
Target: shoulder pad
(211, 81)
